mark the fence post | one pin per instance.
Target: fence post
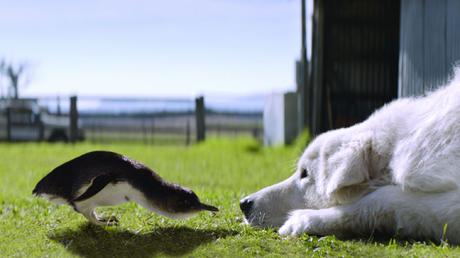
(255, 133)
(41, 128)
(8, 124)
(187, 133)
(73, 134)
(152, 132)
(144, 132)
(200, 119)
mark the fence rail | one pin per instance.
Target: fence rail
(147, 121)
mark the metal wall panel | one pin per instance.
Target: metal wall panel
(411, 47)
(434, 40)
(360, 59)
(429, 45)
(453, 34)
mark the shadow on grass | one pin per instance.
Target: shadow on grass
(387, 239)
(254, 148)
(93, 241)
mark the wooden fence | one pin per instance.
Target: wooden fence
(107, 123)
(178, 127)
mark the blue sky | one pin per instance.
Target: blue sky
(179, 48)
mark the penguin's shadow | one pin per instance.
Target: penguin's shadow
(93, 241)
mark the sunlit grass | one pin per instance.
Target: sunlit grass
(219, 171)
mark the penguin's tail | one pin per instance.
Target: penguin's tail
(35, 192)
(38, 189)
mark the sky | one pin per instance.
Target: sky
(175, 48)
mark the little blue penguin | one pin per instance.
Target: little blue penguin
(103, 178)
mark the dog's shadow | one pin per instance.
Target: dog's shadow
(93, 241)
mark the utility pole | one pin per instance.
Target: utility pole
(303, 90)
(304, 33)
(2, 67)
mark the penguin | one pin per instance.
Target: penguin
(104, 178)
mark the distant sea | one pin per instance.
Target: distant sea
(111, 105)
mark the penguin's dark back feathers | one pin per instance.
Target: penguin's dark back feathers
(108, 167)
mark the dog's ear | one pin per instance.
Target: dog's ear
(349, 166)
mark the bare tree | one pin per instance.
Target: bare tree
(2, 69)
(15, 74)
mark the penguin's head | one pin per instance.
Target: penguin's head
(185, 202)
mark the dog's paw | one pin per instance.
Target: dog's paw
(300, 221)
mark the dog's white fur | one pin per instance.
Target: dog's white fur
(396, 173)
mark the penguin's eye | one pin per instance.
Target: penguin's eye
(303, 173)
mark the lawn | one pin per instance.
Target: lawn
(220, 171)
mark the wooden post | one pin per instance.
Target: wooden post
(255, 133)
(187, 133)
(93, 133)
(58, 99)
(200, 119)
(152, 132)
(8, 124)
(73, 113)
(41, 128)
(144, 132)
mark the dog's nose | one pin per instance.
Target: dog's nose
(246, 205)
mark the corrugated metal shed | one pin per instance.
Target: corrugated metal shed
(367, 52)
(429, 44)
(355, 60)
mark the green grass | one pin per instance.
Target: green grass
(219, 171)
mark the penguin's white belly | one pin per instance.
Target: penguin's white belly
(113, 194)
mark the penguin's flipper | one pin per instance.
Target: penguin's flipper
(96, 186)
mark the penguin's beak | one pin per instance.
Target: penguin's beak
(208, 207)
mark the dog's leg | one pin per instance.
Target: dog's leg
(388, 210)
(341, 221)
(315, 222)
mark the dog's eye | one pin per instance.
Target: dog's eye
(303, 173)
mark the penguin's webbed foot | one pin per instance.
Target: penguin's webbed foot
(100, 221)
(110, 221)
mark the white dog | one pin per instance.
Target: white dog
(397, 173)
